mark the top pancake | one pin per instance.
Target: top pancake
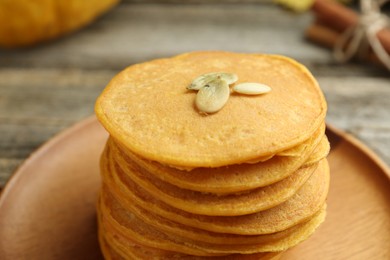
(148, 109)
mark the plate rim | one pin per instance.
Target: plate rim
(361, 146)
(52, 141)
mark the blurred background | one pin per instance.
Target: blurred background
(57, 56)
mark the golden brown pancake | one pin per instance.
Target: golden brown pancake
(320, 152)
(232, 178)
(122, 222)
(130, 250)
(138, 232)
(109, 253)
(300, 207)
(177, 229)
(147, 108)
(211, 204)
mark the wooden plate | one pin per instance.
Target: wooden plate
(47, 210)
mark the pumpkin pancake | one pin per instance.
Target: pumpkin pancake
(115, 246)
(231, 179)
(147, 108)
(300, 149)
(118, 247)
(122, 222)
(139, 233)
(196, 234)
(212, 204)
(293, 211)
(300, 207)
(109, 253)
(130, 250)
(320, 152)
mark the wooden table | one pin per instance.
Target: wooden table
(48, 88)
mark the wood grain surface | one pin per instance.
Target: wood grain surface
(45, 89)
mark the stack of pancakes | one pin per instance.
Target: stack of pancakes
(247, 182)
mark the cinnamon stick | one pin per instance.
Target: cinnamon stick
(339, 18)
(322, 35)
(327, 37)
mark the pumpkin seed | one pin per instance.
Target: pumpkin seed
(249, 88)
(204, 79)
(213, 96)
